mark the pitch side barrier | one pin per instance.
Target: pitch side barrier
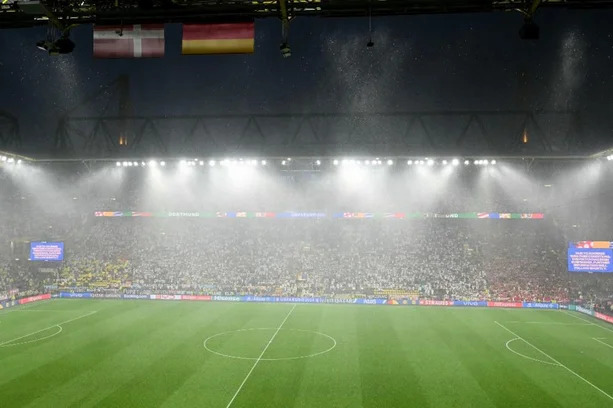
(590, 312)
(5, 304)
(292, 299)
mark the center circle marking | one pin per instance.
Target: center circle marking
(268, 359)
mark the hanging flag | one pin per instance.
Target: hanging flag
(227, 38)
(129, 41)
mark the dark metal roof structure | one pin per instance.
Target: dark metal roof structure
(28, 13)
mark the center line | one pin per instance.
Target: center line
(260, 357)
(553, 359)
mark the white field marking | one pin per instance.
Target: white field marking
(555, 361)
(588, 321)
(269, 359)
(602, 342)
(260, 357)
(47, 328)
(525, 356)
(35, 340)
(554, 323)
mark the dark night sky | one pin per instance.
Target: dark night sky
(474, 61)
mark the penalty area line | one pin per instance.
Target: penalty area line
(602, 342)
(556, 361)
(48, 328)
(260, 357)
(588, 321)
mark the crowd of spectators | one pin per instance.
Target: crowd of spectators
(436, 259)
(447, 259)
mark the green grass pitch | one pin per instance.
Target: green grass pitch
(85, 353)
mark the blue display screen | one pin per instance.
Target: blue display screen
(46, 251)
(590, 260)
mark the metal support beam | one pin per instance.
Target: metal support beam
(469, 133)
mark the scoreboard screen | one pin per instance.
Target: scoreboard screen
(590, 256)
(46, 251)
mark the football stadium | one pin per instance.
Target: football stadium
(410, 206)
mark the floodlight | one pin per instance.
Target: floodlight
(466, 162)
(118, 164)
(335, 162)
(430, 162)
(318, 162)
(390, 162)
(263, 162)
(493, 162)
(455, 162)
(410, 162)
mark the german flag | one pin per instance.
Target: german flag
(224, 38)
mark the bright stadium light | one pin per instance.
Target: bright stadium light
(11, 160)
(390, 162)
(410, 162)
(263, 162)
(477, 162)
(19, 161)
(455, 162)
(444, 162)
(163, 163)
(212, 163)
(466, 162)
(493, 162)
(118, 164)
(318, 162)
(125, 164)
(335, 162)
(283, 162)
(3, 158)
(201, 163)
(430, 162)
(153, 163)
(136, 164)
(485, 162)
(143, 164)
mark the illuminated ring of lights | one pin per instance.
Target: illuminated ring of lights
(269, 359)
(528, 357)
(9, 344)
